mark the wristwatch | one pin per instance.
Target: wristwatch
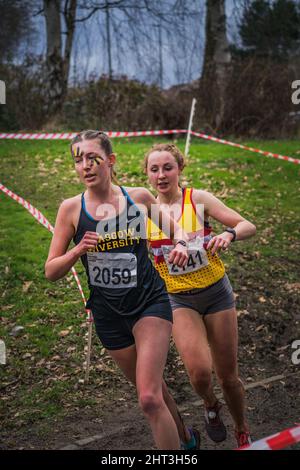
(231, 230)
(182, 242)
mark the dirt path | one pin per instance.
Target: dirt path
(271, 407)
(268, 318)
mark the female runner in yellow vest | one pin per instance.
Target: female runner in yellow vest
(205, 320)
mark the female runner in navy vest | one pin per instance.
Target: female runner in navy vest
(130, 306)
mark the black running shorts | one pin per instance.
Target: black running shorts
(115, 331)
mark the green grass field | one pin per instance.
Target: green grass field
(44, 363)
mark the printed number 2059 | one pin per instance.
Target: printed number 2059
(114, 276)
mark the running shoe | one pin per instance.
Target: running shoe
(194, 442)
(243, 438)
(214, 425)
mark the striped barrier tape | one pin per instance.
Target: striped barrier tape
(113, 134)
(43, 221)
(277, 441)
(245, 147)
(71, 135)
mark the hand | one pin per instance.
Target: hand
(178, 255)
(220, 242)
(88, 242)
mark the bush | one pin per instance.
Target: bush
(257, 100)
(111, 104)
(25, 102)
(119, 104)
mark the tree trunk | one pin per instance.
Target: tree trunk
(217, 60)
(70, 17)
(108, 39)
(54, 61)
(57, 63)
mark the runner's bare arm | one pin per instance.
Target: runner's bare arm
(60, 261)
(178, 255)
(216, 209)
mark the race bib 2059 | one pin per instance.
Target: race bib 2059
(112, 270)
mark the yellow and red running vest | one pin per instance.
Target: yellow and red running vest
(189, 221)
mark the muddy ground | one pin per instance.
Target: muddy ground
(268, 315)
(270, 408)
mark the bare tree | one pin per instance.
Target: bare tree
(217, 59)
(15, 28)
(58, 58)
(129, 23)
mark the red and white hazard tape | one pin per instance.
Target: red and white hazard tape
(112, 134)
(43, 221)
(39, 136)
(277, 441)
(71, 135)
(244, 147)
(33, 211)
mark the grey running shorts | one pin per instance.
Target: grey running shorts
(211, 299)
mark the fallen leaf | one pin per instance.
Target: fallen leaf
(41, 362)
(6, 307)
(295, 286)
(26, 356)
(260, 327)
(282, 348)
(64, 333)
(242, 312)
(4, 320)
(262, 300)
(16, 331)
(26, 286)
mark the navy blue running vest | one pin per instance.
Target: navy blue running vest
(123, 239)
